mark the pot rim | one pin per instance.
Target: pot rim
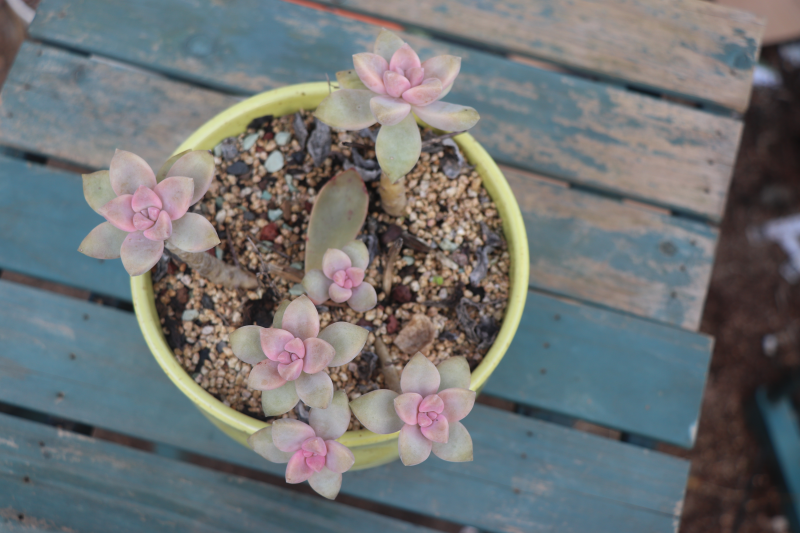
(283, 101)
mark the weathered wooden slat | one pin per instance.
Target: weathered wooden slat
(690, 48)
(613, 254)
(617, 371)
(542, 121)
(54, 480)
(44, 219)
(528, 475)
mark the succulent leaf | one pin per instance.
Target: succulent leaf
(389, 111)
(457, 403)
(162, 172)
(347, 109)
(396, 84)
(363, 298)
(337, 216)
(358, 253)
(445, 68)
(370, 69)
(316, 285)
(119, 212)
(420, 376)
(425, 93)
(375, 411)
(176, 194)
(246, 344)
(407, 407)
(316, 390)
(331, 423)
(333, 261)
(193, 233)
(319, 354)
(261, 443)
(447, 117)
(139, 254)
(298, 469)
(387, 44)
(398, 147)
(454, 373)
(414, 447)
(161, 230)
(405, 58)
(277, 319)
(289, 434)
(301, 318)
(265, 376)
(347, 340)
(458, 447)
(128, 171)
(103, 242)
(326, 483)
(437, 431)
(197, 165)
(272, 341)
(348, 79)
(339, 459)
(278, 401)
(97, 189)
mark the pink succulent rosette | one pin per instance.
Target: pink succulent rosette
(290, 357)
(391, 86)
(427, 414)
(310, 450)
(144, 210)
(342, 278)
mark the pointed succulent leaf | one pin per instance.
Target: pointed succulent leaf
(246, 344)
(375, 411)
(278, 401)
(389, 111)
(273, 342)
(97, 189)
(127, 171)
(370, 69)
(347, 340)
(291, 371)
(363, 299)
(161, 230)
(420, 376)
(331, 423)
(289, 434)
(337, 216)
(387, 44)
(404, 58)
(454, 373)
(333, 261)
(193, 233)
(346, 109)
(316, 390)
(445, 68)
(277, 319)
(438, 431)
(458, 447)
(197, 165)
(447, 117)
(339, 294)
(319, 354)
(357, 251)
(176, 194)
(297, 470)
(425, 93)
(261, 443)
(457, 403)
(316, 285)
(119, 212)
(144, 198)
(339, 459)
(103, 242)
(407, 406)
(416, 75)
(398, 148)
(301, 318)
(413, 446)
(396, 84)
(139, 254)
(162, 172)
(326, 483)
(348, 79)
(265, 376)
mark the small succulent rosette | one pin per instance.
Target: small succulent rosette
(391, 86)
(310, 450)
(342, 278)
(427, 414)
(144, 210)
(290, 357)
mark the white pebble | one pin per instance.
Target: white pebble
(207, 330)
(220, 218)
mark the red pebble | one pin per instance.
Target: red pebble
(269, 135)
(269, 232)
(401, 294)
(392, 325)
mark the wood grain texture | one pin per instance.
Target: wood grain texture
(558, 125)
(45, 218)
(55, 480)
(613, 254)
(596, 365)
(527, 476)
(689, 48)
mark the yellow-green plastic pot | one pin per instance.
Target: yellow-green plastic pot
(369, 448)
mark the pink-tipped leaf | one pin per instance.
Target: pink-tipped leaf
(265, 376)
(297, 470)
(388, 110)
(261, 443)
(405, 58)
(445, 68)
(425, 93)
(272, 341)
(339, 459)
(161, 230)
(119, 212)
(407, 406)
(370, 69)
(438, 431)
(457, 403)
(128, 171)
(289, 434)
(301, 318)
(318, 354)
(176, 194)
(139, 254)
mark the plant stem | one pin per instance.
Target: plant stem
(390, 377)
(393, 196)
(215, 270)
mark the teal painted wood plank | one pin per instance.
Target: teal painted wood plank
(614, 254)
(44, 219)
(54, 480)
(689, 48)
(550, 123)
(596, 365)
(528, 475)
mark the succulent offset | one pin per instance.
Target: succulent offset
(310, 451)
(428, 412)
(341, 278)
(144, 210)
(289, 358)
(391, 86)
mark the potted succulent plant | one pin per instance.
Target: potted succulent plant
(306, 290)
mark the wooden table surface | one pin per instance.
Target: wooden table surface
(616, 123)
